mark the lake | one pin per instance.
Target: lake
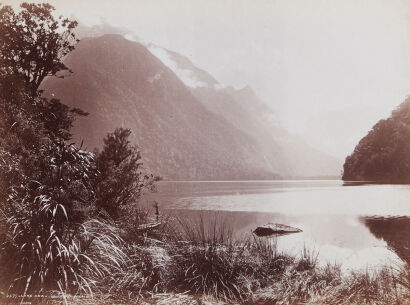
(356, 226)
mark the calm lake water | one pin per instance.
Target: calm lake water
(358, 227)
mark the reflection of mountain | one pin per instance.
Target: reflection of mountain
(394, 230)
(187, 124)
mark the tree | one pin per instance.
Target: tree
(48, 187)
(45, 182)
(121, 179)
(383, 155)
(33, 44)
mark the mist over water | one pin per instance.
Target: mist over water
(357, 226)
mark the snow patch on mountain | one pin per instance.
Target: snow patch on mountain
(132, 37)
(186, 76)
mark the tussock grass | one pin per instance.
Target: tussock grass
(194, 261)
(57, 266)
(206, 259)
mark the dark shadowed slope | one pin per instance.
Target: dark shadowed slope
(120, 83)
(383, 155)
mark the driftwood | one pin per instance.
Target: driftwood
(275, 229)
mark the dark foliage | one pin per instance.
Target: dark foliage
(33, 43)
(49, 188)
(384, 154)
(45, 182)
(121, 179)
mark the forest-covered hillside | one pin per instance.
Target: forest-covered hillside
(383, 155)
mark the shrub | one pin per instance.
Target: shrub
(121, 180)
(42, 216)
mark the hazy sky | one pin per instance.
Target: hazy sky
(330, 69)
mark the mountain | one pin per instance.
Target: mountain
(187, 125)
(120, 83)
(283, 152)
(383, 155)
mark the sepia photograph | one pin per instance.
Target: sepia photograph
(201, 152)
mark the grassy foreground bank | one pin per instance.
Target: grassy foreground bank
(189, 262)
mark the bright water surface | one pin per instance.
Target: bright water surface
(358, 227)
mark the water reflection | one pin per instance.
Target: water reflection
(395, 231)
(341, 239)
(338, 220)
(357, 183)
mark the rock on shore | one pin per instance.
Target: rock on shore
(275, 229)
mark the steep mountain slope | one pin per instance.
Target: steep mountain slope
(187, 125)
(120, 83)
(383, 155)
(282, 151)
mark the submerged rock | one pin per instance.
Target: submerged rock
(275, 229)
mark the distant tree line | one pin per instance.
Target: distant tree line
(55, 197)
(383, 155)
